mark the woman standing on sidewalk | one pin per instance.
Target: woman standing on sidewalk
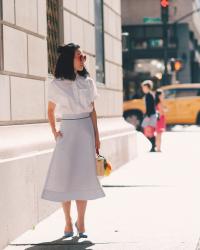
(72, 170)
(161, 125)
(149, 121)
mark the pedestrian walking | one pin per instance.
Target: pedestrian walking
(72, 169)
(161, 124)
(149, 121)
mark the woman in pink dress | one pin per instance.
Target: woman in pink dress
(161, 124)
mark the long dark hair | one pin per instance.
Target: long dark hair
(65, 64)
(157, 96)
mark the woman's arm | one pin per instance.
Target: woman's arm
(162, 107)
(96, 131)
(51, 118)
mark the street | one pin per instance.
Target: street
(151, 203)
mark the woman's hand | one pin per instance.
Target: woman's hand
(97, 144)
(56, 134)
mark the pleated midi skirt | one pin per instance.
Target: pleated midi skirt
(72, 170)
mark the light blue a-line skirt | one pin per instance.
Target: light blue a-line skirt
(72, 169)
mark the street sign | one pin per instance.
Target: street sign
(152, 20)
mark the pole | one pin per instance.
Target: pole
(165, 47)
(164, 16)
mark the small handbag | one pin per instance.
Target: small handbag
(103, 166)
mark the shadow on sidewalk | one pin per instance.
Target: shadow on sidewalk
(63, 243)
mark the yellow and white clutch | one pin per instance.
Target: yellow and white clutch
(103, 166)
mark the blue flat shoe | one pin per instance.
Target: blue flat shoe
(68, 234)
(80, 235)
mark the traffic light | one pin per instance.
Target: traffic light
(176, 64)
(164, 3)
(164, 10)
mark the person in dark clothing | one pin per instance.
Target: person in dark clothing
(149, 121)
(150, 104)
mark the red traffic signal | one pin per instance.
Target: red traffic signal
(164, 3)
(176, 64)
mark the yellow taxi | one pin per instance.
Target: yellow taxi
(182, 103)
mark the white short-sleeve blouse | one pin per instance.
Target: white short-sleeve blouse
(72, 97)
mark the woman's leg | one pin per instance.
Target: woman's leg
(149, 133)
(153, 142)
(81, 208)
(158, 141)
(67, 208)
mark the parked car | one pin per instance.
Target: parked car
(182, 102)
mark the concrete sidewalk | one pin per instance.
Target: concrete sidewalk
(151, 203)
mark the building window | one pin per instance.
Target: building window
(125, 41)
(148, 37)
(52, 33)
(99, 36)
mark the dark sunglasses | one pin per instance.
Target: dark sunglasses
(82, 58)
